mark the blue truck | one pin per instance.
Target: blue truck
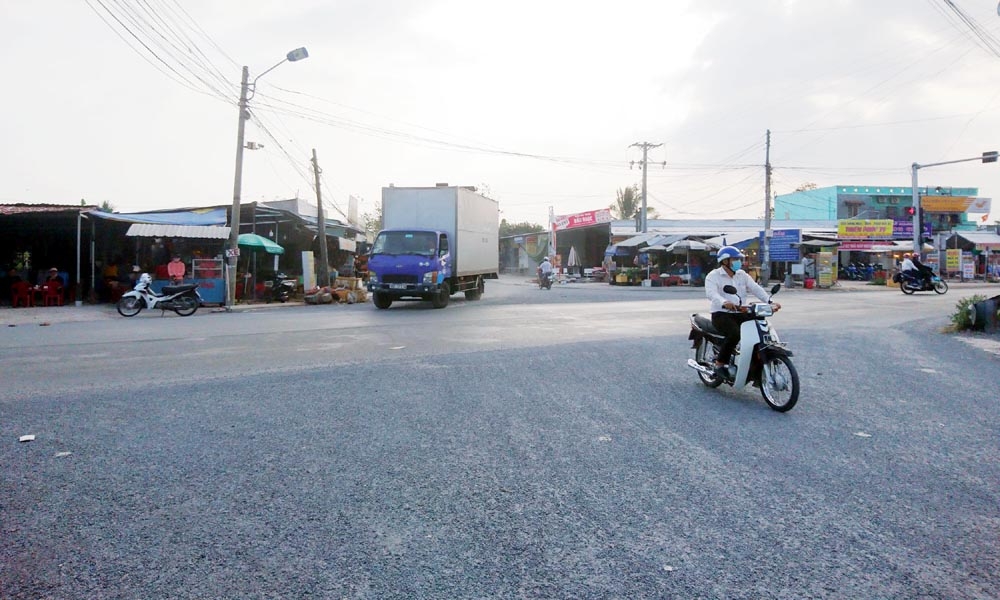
(436, 241)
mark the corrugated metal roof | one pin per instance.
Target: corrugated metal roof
(27, 209)
(204, 232)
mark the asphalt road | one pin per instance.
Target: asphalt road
(535, 444)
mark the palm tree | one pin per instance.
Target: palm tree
(629, 203)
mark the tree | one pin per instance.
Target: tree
(629, 203)
(519, 228)
(372, 222)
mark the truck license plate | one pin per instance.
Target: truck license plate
(397, 286)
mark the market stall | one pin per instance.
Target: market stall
(200, 247)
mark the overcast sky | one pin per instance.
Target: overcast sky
(536, 102)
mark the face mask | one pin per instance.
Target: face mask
(736, 265)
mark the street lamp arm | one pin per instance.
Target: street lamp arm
(254, 82)
(947, 162)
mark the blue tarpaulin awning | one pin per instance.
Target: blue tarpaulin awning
(205, 216)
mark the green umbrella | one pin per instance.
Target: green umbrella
(252, 240)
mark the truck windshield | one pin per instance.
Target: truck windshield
(422, 243)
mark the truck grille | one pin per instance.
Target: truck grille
(398, 279)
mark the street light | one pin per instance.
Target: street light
(233, 253)
(986, 157)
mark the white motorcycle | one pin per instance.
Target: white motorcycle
(760, 358)
(183, 299)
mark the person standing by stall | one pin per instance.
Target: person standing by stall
(176, 269)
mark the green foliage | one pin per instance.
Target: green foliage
(519, 228)
(962, 317)
(629, 203)
(372, 222)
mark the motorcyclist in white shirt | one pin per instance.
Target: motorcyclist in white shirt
(727, 312)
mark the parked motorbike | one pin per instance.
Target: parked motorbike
(909, 284)
(183, 299)
(760, 357)
(544, 281)
(282, 288)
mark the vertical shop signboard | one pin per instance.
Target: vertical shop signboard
(308, 270)
(953, 260)
(825, 268)
(968, 266)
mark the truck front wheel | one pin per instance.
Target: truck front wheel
(381, 300)
(440, 300)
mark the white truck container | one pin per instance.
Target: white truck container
(436, 241)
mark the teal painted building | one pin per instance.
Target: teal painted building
(869, 202)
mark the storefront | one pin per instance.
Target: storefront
(201, 249)
(974, 255)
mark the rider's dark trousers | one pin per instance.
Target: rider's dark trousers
(728, 324)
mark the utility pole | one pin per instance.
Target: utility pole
(233, 254)
(323, 278)
(646, 146)
(765, 253)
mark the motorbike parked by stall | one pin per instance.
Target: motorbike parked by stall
(282, 287)
(909, 284)
(760, 358)
(183, 299)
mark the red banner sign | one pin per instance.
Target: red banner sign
(584, 219)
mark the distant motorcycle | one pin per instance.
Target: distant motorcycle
(183, 299)
(282, 288)
(909, 284)
(544, 280)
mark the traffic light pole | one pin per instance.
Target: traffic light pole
(987, 157)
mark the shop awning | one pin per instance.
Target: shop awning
(638, 240)
(614, 250)
(178, 231)
(197, 216)
(983, 240)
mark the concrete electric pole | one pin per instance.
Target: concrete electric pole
(646, 146)
(233, 253)
(323, 276)
(765, 253)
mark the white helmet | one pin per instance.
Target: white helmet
(728, 252)
(145, 278)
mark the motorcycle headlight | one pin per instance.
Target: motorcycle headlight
(763, 310)
(430, 277)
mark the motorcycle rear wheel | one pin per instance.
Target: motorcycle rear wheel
(185, 306)
(779, 383)
(129, 306)
(705, 355)
(905, 288)
(940, 287)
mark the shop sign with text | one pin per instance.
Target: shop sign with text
(584, 219)
(955, 204)
(864, 228)
(902, 229)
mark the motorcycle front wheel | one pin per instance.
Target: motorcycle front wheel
(779, 383)
(940, 287)
(129, 306)
(185, 306)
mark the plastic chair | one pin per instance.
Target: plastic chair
(20, 294)
(53, 294)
